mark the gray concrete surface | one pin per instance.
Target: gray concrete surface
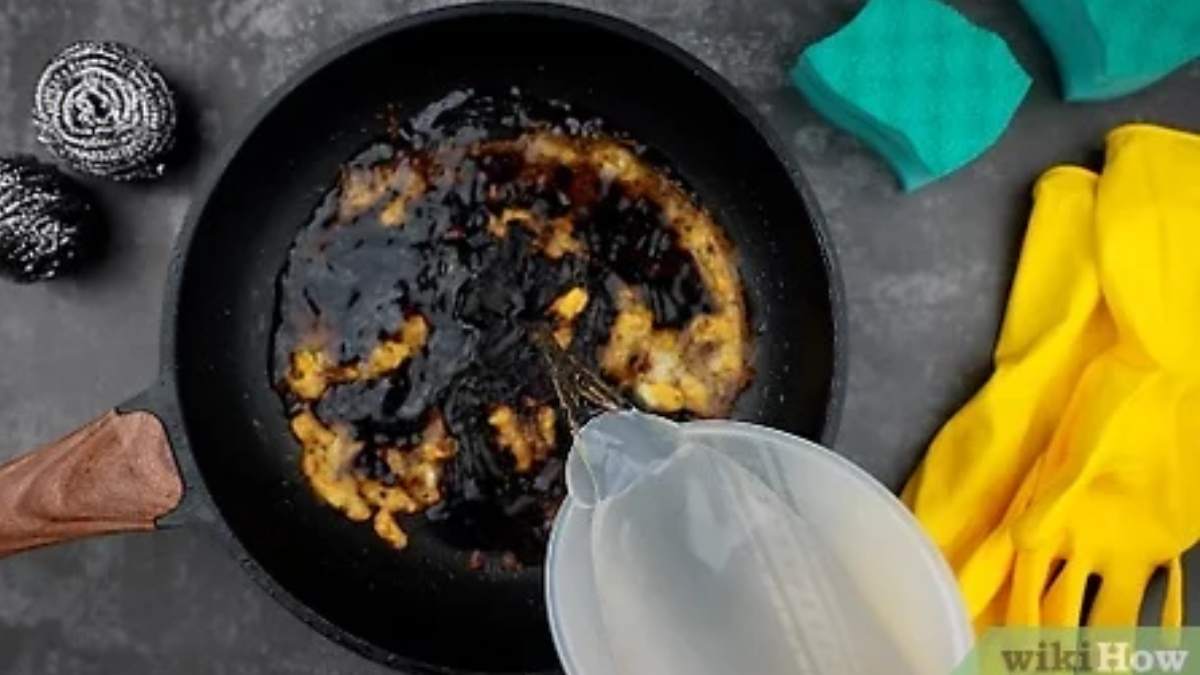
(926, 277)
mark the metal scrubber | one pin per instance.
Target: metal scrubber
(105, 109)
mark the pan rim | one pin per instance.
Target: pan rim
(211, 178)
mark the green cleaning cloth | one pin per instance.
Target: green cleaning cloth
(918, 82)
(1109, 48)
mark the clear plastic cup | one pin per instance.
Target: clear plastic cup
(877, 549)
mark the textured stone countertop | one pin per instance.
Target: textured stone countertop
(926, 277)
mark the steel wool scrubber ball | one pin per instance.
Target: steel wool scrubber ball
(48, 226)
(105, 109)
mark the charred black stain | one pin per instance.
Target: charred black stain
(349, 282)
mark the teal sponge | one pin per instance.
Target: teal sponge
(916, 81)
(1109, 48)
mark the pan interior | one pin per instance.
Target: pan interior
(422, 607)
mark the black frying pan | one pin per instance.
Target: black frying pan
(420, 610)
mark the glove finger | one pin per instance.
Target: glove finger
(1172, 609)
(990, 565)
(1030, 576)
(993, 614)
(1062, 605)
(986, 572)
(1056, 287)
(1120, 596)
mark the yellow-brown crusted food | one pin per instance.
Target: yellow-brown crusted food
(555, 238)
(528, 436)
(392, 352)
(701, 368)
(362, 188)
(328, 455)
(312, 371)
(564, 310)
(389, 530)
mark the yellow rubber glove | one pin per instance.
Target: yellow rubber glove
(1055, 323)
(1118, 490)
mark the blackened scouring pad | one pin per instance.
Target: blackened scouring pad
(48, 226)
(105, 109)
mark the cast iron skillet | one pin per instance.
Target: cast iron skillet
(208, 444)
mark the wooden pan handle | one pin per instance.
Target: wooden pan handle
(115, 474)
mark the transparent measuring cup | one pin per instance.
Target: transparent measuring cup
(720, 547)
(703, 548)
